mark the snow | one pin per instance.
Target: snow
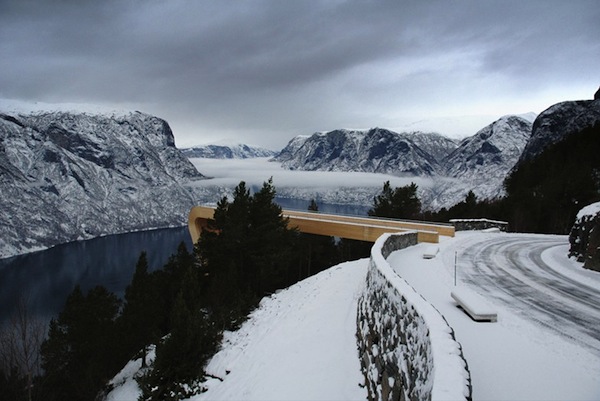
(513, 358)
(556, 258)
(589, 210)
(23, 107)
(300, 343)
(124, 385)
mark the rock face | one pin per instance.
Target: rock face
(478, 163)
(66, 176)
(484, 160)
(585, 237)
(238, 151)
(558, 121)
(376, 150)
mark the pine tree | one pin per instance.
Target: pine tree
(193, 338)
(399, 203)
(142, 313)
(76, 356)
(270, 251)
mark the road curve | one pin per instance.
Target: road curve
(509, 268)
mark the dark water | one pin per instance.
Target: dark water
(45, 278)
(302, 205)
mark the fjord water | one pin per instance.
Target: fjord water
(45, 278)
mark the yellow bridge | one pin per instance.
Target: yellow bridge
(356, 228)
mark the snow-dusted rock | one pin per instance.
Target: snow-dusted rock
(558, 121)
(237, 151)
(66, 176)
(376, 150)
(585, 237)
(482, 162)
(479, 163)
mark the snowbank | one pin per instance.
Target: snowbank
(585, 237)
(408, 351)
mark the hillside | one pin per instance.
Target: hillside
(237, 151)
(68, 176)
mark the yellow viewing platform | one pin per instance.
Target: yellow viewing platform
(349, 227)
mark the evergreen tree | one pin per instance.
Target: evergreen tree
(399, 203)
(270, 251)
(142, 313)
(193, 338)
(76, 356)
(245, 253)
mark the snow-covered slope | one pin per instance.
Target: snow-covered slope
(482, 162)
(433, 143)
(299, 344)
(67, 176)
(237, 151)
(376, 151)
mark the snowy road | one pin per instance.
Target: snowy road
(541, 347)
(519, 271)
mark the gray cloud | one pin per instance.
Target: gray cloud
(264, 71)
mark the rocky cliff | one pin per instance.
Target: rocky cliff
(481, 162)
(478, 163)
(376, 150)
(558, 121)
(66, 176)
(237, 151)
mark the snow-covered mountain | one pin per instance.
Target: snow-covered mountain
(482, 162)
(558, 121)
(478, 163)
(376, 150)
(66, 176)
(236, 151)
(433, 143)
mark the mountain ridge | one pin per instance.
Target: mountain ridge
(222, 151)
(67, 176)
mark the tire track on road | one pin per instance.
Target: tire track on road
(510, 269)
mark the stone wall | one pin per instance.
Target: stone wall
(407, 349)
(478, 224)
(585, 237)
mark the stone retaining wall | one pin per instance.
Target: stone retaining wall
(478, 224)
(407, 349)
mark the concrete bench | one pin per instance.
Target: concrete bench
(474, 305)
(430, 252)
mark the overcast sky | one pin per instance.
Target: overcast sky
(261, 72)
